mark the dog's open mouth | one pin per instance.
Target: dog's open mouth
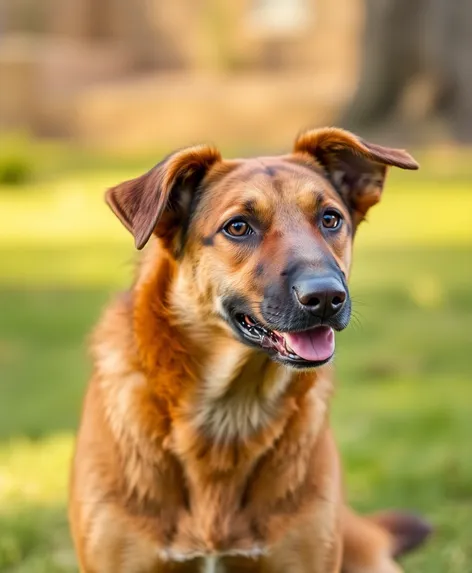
(308, 348)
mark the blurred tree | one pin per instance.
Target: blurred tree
(422, 47)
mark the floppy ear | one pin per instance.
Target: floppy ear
(159, 199)
(355, 167)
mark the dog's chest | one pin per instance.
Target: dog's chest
(239, 502)
(216, 524)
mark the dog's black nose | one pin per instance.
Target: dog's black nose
(323, 296)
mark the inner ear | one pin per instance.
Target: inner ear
(358, 180)
(356, 168)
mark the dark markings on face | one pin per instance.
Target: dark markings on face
(195, 197)
(269, 170)
(263, 169)
(259, 270)
(347, 222)
(249, 207)
(277, 185)
(318, 203)
(208, 241)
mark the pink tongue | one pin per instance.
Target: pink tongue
(314, 345)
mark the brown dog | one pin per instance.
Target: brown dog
(205, 444)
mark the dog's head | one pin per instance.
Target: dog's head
(263, 246)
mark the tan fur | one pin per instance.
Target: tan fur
(196, 453)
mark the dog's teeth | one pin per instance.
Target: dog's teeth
(287, 347)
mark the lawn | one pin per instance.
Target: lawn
(402, 412)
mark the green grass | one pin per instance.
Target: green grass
(402, 410)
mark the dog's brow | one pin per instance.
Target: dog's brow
(249, 206)
(253, 207)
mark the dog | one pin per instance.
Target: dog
(204, 443)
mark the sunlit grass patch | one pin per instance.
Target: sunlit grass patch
(35, 539)
(62, 265)
(34, 535)
(34, 471)
(420, 214)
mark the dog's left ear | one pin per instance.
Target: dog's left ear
(159, 200)
(355, 167)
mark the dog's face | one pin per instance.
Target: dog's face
(272, 239)
(265, 243)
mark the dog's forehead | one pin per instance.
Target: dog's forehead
(271, 178)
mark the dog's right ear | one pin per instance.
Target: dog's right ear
(161, 198)
(355, 167)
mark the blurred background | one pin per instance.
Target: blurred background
(94, 92)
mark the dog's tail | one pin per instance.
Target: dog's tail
(372, 543)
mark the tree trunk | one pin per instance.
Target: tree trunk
(407, 40)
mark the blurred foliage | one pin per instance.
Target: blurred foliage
(402, 409)
(17, 162)
(25, 159)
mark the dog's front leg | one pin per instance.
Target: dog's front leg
(308, 550)
(314, 543)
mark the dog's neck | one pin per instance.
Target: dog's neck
(241, 392)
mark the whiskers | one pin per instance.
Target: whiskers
(358, 301)
(356, 322)
(356, 317)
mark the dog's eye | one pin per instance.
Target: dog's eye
(237, 228)
(331, 219)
